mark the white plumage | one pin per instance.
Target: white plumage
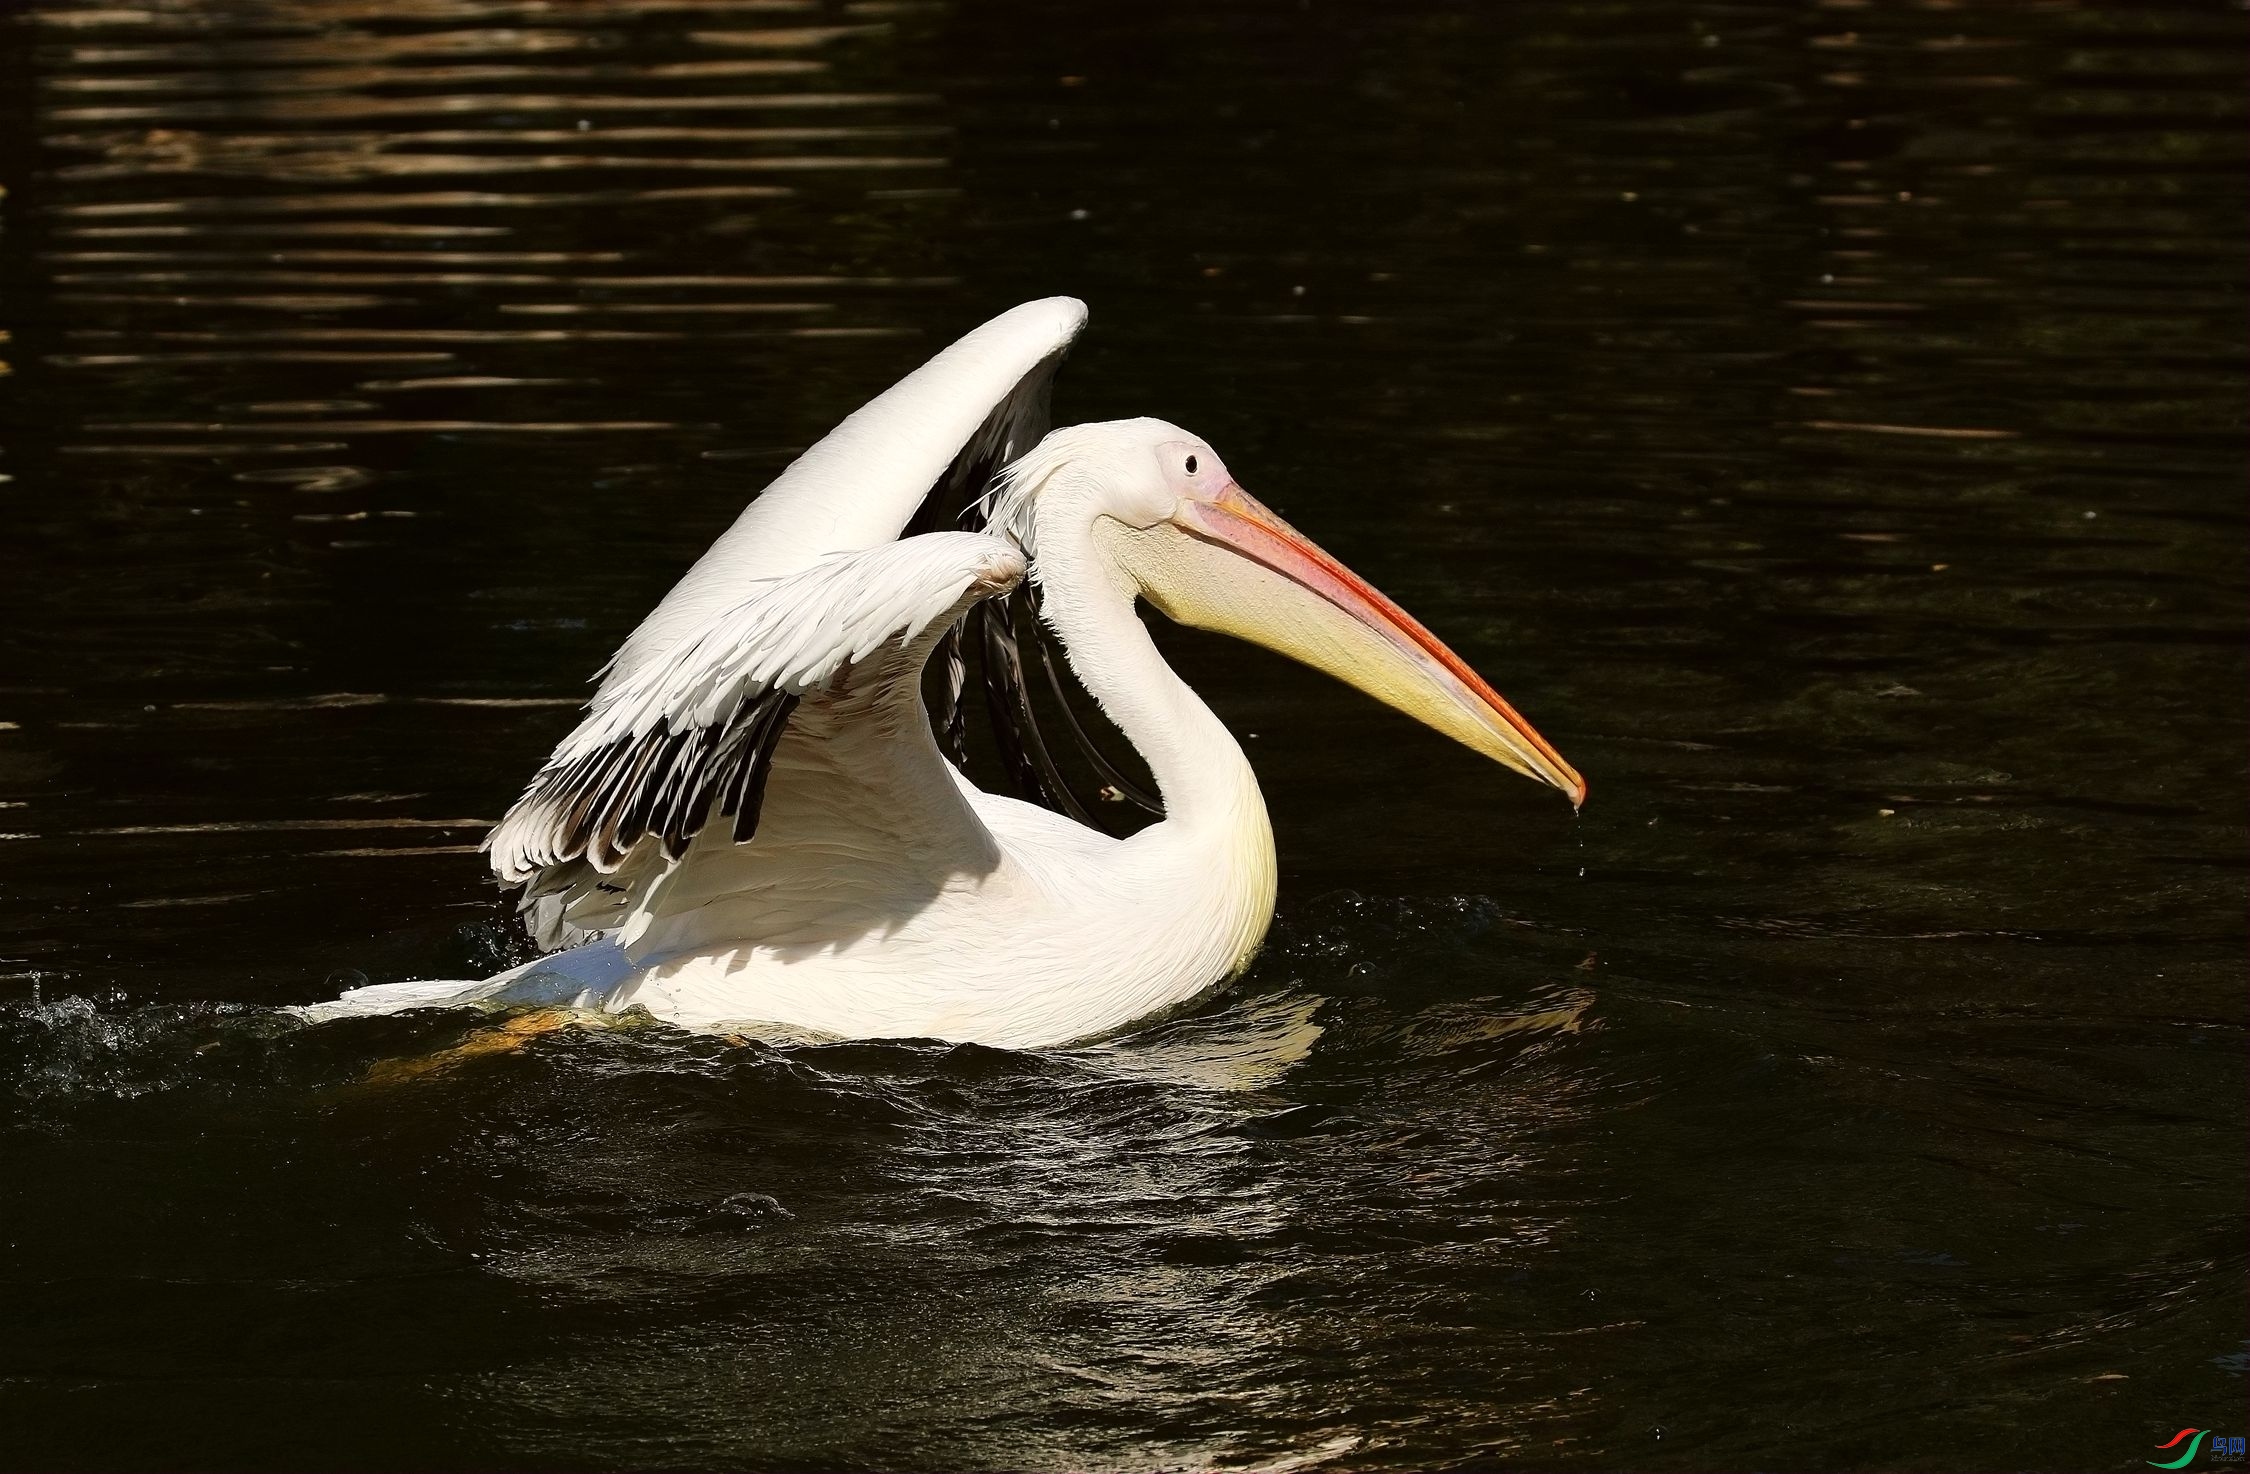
(755, 826)
(847, 621)
(863, 483)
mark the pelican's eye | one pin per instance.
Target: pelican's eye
(1191, 465)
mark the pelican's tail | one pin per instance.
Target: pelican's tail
(590, 977)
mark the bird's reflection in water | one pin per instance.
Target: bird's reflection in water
(792, 1249)
(1249, 1045)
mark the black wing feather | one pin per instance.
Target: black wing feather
(997, 628)
(663, 782)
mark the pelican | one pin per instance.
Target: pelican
(761, 824)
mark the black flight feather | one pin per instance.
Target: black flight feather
(996, 629)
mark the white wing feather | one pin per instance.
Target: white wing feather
(799, 631)
(848, 623)
(863, 483)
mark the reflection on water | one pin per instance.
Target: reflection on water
(1825, 421)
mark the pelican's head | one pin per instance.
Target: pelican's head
(1159, 508)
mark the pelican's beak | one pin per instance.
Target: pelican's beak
(1296, 599)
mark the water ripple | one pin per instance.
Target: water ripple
(138, 102)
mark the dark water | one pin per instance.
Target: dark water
(1825, 420)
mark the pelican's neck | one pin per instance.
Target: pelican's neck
(1200, 771)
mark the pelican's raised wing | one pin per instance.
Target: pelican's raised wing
(910, 457)
(692, 734)
(918, 458)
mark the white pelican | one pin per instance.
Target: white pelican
(756, 826)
